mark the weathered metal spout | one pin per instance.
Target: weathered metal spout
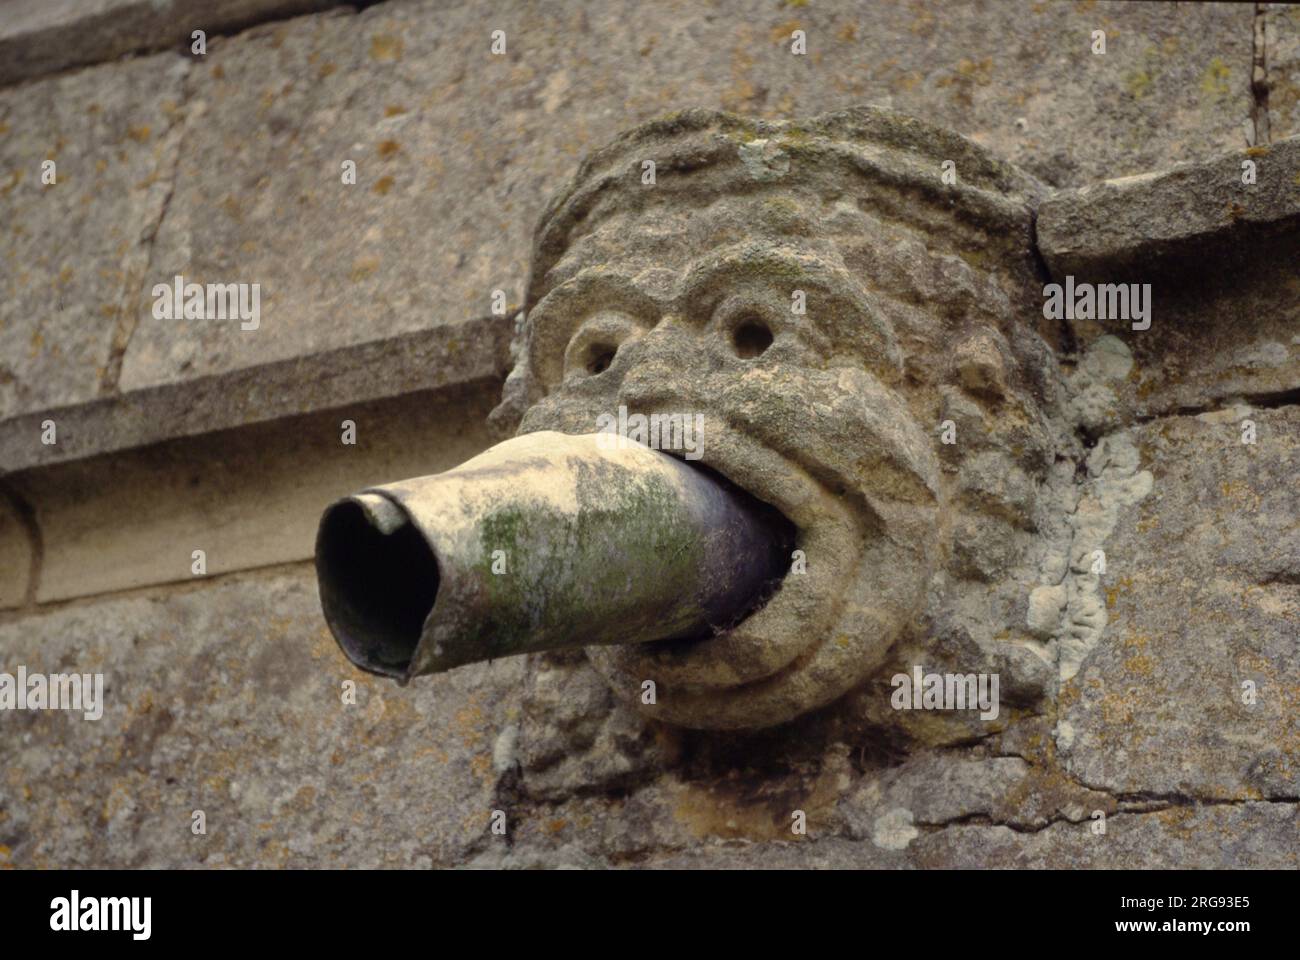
(544, 541)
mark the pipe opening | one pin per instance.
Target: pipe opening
(376, 588)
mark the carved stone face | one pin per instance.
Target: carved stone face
(683, 297)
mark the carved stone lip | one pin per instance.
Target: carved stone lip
(767, 474)
(829, 531)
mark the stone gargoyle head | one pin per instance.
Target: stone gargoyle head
(849, 302)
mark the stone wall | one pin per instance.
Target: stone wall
(225, 692)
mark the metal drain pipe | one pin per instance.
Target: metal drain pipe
(546, 540)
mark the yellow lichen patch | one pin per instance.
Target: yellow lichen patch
(385, 47)
(481, 766)
(1122, 585)
(1180, 820)
(1248, 661)
(967, 75)
(303, 800)
(1215, 80)
(394, 110)
(1116, 715)
(469, 721)
(139, 134)
(1141, 665)
(908, 81)
(1138, 83)
(782, 31)
(383, 185)
(1138, 641)
(978, 70)
(388, 148)
(1069, 695)
(430, 750)
(476, 821)
(119, 795)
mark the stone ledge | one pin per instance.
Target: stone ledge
(1153, 221)
(434, 359)
(249, 497)
(38, 37)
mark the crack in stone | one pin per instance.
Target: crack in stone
(983, 820)
(1259, 117)
(1129, 803)
(128, 316)
(1152, 801)
(508, 796)
(1266, 400)
(1167, 801)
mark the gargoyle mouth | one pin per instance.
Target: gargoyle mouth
(828, 540)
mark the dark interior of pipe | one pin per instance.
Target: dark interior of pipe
(770, 560)
(376, 589)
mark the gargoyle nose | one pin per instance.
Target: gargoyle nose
(646, 385)
(660, 365)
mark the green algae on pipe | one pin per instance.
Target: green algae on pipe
(543, 541)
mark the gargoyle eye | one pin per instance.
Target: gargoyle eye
(599, 357)
(596, 342)
(751, 337)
